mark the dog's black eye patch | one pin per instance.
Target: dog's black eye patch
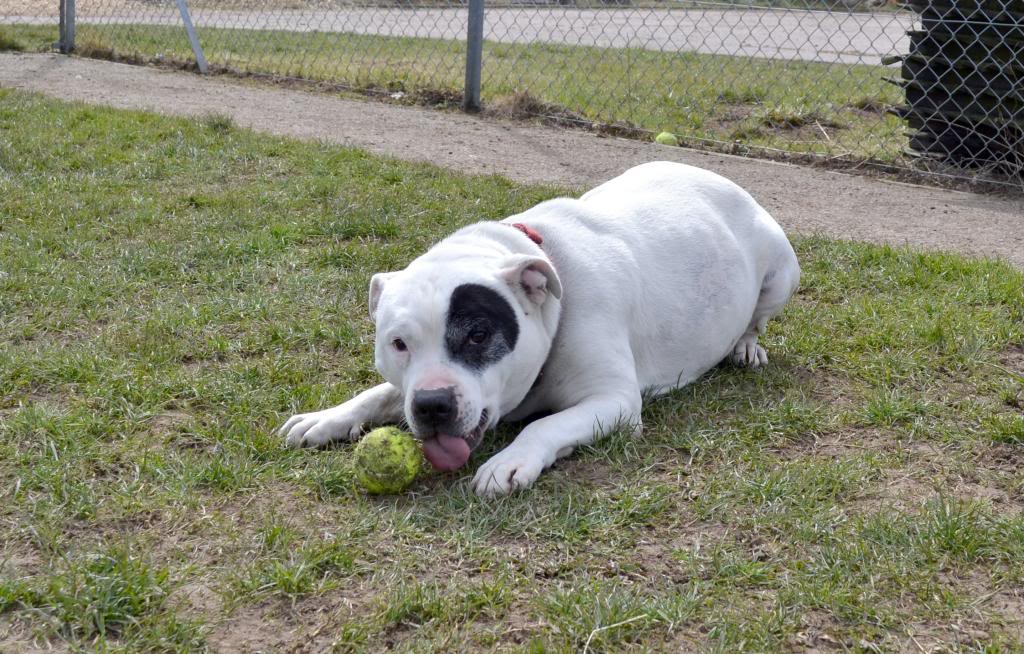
(481, 326)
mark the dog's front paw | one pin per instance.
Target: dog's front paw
(321, 427)
(511, 469)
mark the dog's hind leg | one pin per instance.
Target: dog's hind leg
(776, 289)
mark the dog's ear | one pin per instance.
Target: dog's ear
(532, 278)
(376, 288)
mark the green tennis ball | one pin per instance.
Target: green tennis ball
(667, 138)
(387, 461)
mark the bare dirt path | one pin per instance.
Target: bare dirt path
(804, 200)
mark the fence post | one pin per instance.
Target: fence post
(193, 40)
(67, 26)
(474, 55)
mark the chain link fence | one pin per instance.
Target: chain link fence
(937, 85)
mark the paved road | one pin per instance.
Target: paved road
(804, 200)
(849, 38)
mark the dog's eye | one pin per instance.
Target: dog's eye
(478, 336)
(399, 345)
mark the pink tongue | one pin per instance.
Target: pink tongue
(445, 452)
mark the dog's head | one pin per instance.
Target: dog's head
(463, 332)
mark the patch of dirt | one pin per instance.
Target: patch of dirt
(174, 428)
(168, 423)
(927, 470)
(654, 553)
(850, 441)
(586, 473)
(518, 627)
(39, 398)
(249, 631)
(243, 511)
(223, 535)
(902, 490)
(1008, 605)
(1013, 358)
(812, 132)
(196, 598)
(839, 395)
(996, 609)
(934, 636)
(869, 107)
(931, 472)
(829, 388)
(795, 128)
(1004, 458)
(18, 560)
(314, 623)
(523, 106)
(992, 475)
(734, 113)
(19, 631)
(819, 632)
(19, 637)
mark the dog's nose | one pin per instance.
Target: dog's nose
(434, 408)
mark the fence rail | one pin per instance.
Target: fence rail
(844, 81)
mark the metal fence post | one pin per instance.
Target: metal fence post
(190, 31)
(474, 55)
(67, 26)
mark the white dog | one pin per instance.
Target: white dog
(575, 308)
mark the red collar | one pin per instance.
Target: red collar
(529, 231)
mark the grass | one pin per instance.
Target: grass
(799, 107)
(171, 290)
(11, 41)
